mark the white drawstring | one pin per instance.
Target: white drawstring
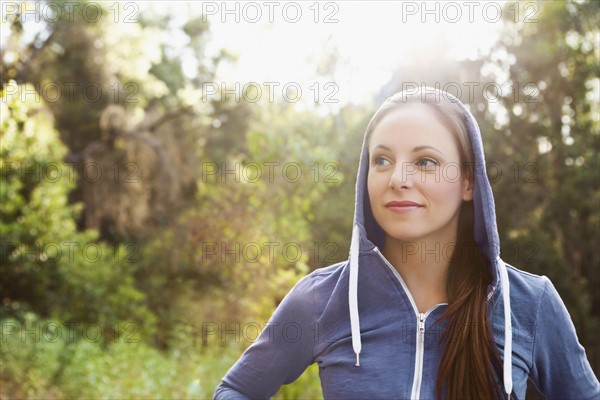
(353, 294)
(508, 383)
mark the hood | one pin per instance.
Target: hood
(366, 233)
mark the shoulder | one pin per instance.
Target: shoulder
(526, 293)
(332, 269)
(534, 290)
(318, 283)
(526, 286)
(324, 279)
(532, 295)
(322, 288)
(543, 327)
(529, 293)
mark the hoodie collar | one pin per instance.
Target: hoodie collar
(366, 233)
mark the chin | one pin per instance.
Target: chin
(404, 236)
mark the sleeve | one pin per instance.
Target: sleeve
(561, 369)
(283, 350)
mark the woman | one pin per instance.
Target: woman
(424, 307)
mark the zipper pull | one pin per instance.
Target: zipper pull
(421, 322)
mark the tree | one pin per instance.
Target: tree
(48, 267)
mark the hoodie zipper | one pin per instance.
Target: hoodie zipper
(418, 376)
(421, 317)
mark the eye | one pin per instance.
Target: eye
(427, 163)
(381, 162)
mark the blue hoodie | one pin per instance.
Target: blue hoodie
(359, 322)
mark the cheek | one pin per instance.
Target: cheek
(376, 184)
(445, 189)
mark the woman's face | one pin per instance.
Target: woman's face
(414, 182)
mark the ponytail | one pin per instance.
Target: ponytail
(470, 361)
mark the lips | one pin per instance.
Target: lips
(402, 207)
(402, 204)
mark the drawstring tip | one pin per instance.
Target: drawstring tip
(357, 360)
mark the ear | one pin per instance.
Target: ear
(467, 190)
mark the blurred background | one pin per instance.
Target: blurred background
(170, 170)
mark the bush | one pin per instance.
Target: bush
(46, 265)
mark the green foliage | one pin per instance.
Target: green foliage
(29, 361)
(39, 360)
(219, 255)
(43, 256)
(545, 155)
(548, 154)
(308, 386)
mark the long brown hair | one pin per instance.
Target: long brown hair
(470, 363)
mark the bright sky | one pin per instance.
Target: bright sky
(373, 39)
(284, 42)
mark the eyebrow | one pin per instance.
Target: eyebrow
(418, 148)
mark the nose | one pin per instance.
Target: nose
(403, 176)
